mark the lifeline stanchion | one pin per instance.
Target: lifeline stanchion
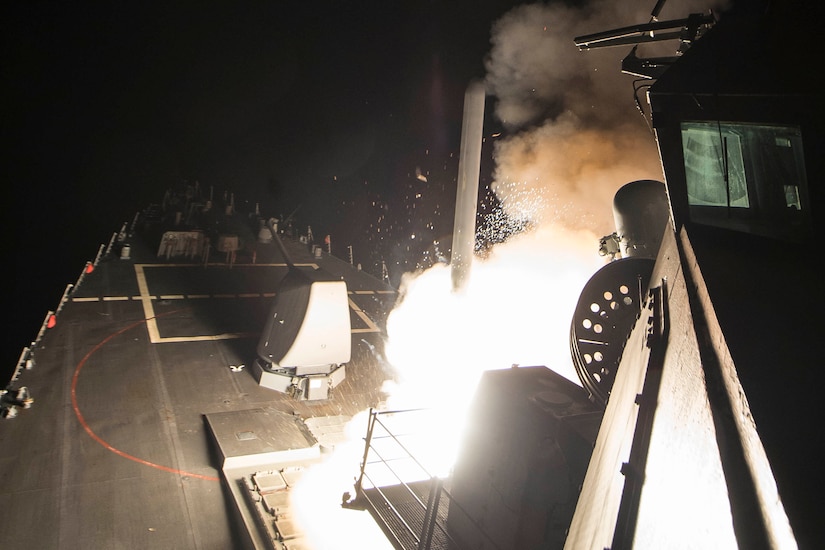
(99, 254)
(65, 297)
(111, 243)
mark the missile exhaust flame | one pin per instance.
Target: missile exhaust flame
(515, 310)
(552, 179)
(316, 499)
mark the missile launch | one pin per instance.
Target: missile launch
(469, 165)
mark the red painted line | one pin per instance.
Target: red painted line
(99, 439)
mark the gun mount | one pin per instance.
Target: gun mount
(307, 337)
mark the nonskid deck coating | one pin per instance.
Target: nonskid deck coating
(148, 476)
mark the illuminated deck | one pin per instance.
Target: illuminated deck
(115, 451)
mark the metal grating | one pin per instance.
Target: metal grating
(402, 517)
(413, 514)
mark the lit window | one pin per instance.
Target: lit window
(744, 173)
(713, 155)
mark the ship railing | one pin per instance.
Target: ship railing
(413, 507)
(26, 360)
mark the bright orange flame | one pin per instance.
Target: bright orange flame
(516, 309)
(316, 499)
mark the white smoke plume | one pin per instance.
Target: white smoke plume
(575, 138)
(576, 135)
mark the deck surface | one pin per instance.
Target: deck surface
(115, 452)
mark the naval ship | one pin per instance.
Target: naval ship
(187, 379)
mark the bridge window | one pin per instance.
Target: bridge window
(748, 177)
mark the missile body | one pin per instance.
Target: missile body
(469, 165)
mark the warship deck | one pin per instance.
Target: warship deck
(146, 352)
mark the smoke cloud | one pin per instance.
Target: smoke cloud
(574, 139)
(575, 133)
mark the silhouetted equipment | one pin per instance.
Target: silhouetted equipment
(686, 30)
(655, 31)
(523, 458)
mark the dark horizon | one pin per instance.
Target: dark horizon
(304, 109)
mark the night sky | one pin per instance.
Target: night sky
(301, 106)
